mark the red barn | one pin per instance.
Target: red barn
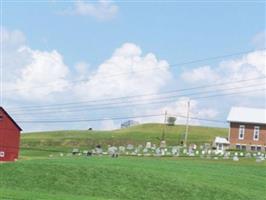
(9, 137)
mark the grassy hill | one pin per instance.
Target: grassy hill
(134, 135)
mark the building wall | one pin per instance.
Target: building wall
(248, 136)
(9, 139)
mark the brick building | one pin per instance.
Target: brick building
(247, 128)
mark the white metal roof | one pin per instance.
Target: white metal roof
(221, 140)
(247, 115)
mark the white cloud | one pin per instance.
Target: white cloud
(259, 40)
(103, 9)
(44, 69)
(179, 109)
(26, 70)
(249, 66)
(109, 125)
(127, 72)
(200, 74)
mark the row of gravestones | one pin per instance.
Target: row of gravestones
(170, 151)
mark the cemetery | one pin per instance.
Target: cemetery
(151, 150)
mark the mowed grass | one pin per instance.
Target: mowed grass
(134, 135)
(102, 178)
(36, 176)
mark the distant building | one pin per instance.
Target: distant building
(247, 128)
(9, 137)
(129, 123)
(220, 144)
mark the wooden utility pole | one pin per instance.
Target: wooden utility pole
(164, 126)
(187, 124)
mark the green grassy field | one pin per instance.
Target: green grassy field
(134, 135)
(102, 178)
(36, 176)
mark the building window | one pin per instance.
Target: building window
(256, 133)
(238, 147)
(253, 148)
(258, 148)
(243, 147)
(241, 132)
(2, 154)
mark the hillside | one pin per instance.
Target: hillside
(134, 135)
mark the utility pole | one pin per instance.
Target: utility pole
(187, 124)
(164, 126)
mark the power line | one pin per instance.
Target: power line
(123, 104)
(92, 120)
(119, 118)
(135, 96)
(147, 69)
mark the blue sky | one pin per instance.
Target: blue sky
(172, 31)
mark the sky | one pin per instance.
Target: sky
(59, 52)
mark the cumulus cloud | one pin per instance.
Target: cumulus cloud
(103, 9)
(179, 110)
(249, 66)
(45, 69)
(127, 72)
(26, 70)
(200, 74)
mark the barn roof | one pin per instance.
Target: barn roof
(247, 115)
(3, 110)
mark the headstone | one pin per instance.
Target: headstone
(163, 144)
(174, 150)
(122, 149)
(130, 147)
(145, 150)
(153, 147)
(85, 152)
(98, 150)
(148, 145)
(158, 151)
(162, 152)
(248, 155)
(235, 158)
(112, 150)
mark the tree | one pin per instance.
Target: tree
(171, 121)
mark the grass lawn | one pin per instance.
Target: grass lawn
(102, 178)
